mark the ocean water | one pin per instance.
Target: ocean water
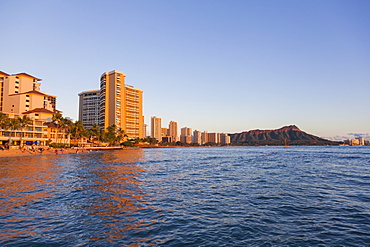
(208, 196)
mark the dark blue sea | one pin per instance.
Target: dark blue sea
(206, 196)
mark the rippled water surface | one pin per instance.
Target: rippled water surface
(230, 196)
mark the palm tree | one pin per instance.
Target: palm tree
(120, 135)
(13, 125)
(23, 122)
(78, 130)
(65, 125)
(96, 132)
(113, 135)
(3, 120)
(56, 119)
(110, 134)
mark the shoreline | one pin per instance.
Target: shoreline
(19, 153)
(51, 152)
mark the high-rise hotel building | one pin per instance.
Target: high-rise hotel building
(156, 128)
(88, 112)
(118, 104)
(173, 131)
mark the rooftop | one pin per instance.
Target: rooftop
(38, 110)
(27, 75)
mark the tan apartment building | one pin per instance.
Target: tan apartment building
(21, 95)
(164, 132)
(224, 138)
(197, 137)
(173, 131)
(204, 137)
(214, 137)
(360, 141)
(120, 104)
(156, 128)
(186, 135)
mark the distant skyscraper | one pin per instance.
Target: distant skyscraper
(213, 137)
(88, 112)
(164, 132)
(120, 104)
(156, 128)
(185, 136)
(197, 137)
(204, 137)
(145, 131)
(224, 138)
(173, 131)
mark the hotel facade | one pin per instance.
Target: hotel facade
(115, 103)
(88, 112)
(156, 128)
(21, 95)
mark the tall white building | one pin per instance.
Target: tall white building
(88, 112)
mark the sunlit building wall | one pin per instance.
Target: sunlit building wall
(173, 131)
(164, 132)
(204, 137)
(120, 104)
(21, 93)
(156, 128)
(186, 135)
(224, 138)
(213, 137)
(197, 137)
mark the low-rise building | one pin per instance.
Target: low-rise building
(21, 96)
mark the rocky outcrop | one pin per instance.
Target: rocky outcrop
(287, 135)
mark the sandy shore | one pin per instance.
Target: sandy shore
(19, 153)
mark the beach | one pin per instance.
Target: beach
(49, 151)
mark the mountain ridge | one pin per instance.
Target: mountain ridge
(286, 135)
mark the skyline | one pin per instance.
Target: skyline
(209, 65)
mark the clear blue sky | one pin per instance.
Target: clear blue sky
(223, 66)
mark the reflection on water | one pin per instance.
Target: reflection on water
(220, 196)
(46, 196)
(21, 183)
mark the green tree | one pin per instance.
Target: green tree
(57, 119)
(110, 135)
(114, 135)
(95, 132)
(3, 120)
(120, 135)
(13, 126)
(152, 141)
(23, 122)
(77, 130)
(65, 126)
